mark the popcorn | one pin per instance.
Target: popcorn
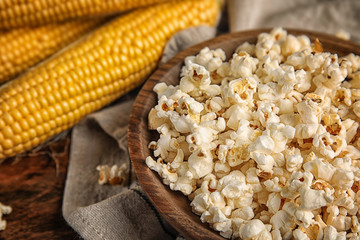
(310, 108)
(294, 162)
(313, 199)
(299, 235)
(273, 202)
(200, 163)
(113, 175)
(242, 65)
(245, 213)
(4, 210)
(211, 59)
(330, 233)
(255, 229)
(342, 178)
(265, 145)
(341, 33)
(283, 222)
(200, 203)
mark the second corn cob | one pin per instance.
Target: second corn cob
(24, 47)
(38, 12)
(108, 63)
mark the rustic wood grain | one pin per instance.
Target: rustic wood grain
(33, 186)
(173, 205)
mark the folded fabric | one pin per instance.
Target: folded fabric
(329, 16)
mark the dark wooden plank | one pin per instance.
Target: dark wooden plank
(33, 187)
(173, 205)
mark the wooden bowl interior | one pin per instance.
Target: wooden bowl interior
(174, 206)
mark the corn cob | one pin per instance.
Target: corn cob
(107, 63)
(37, 12)
(24, 47)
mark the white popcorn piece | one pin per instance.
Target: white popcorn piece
(272, 185)
(245, 213)
(169, 175)
(234, 115)
(290, 45)
(304, 218)
(310, 109)
(266, 113)
(246, 47)
(217, 216)
(344, 199)
(268, 92)
(312, 199)
(113, 175)
(342, 34)
(4, 210)
(276, 234)
(242, 90)
(254, 229)
(273, 202)
(185, 183)
(280, 133)
(342, 178)
(200, 163)
(293, 161)
(355, 226)
(224, 228)
(201, 137)
(211, 59)
(217, 200)
(320, 169)
(263, 144)
(154, 121)
(235, 190)
(286, 106)
(329, 145)
(245, 133)
(253, 179)
(283, 222)
(264, 162)
(200, 203)
(222, 169)
(300, 235)
(340, 222)
(297, 181)
(297, 59)
(330, 233)
(305, 131)
(193, 75)
(242, 65)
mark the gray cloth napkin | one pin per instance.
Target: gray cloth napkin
(121, 211)
(327, 16)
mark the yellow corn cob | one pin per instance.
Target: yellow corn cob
(24, 47)
(15, 13)
(92, 73)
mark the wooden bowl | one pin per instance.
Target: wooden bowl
(174, 206)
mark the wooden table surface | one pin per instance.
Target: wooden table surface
(33, 186)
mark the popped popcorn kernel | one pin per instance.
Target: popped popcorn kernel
(266, 145)
(113, 175)
(4, 210)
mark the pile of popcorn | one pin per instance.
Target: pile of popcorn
(265, 145)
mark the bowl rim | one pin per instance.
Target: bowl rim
(164, 208)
